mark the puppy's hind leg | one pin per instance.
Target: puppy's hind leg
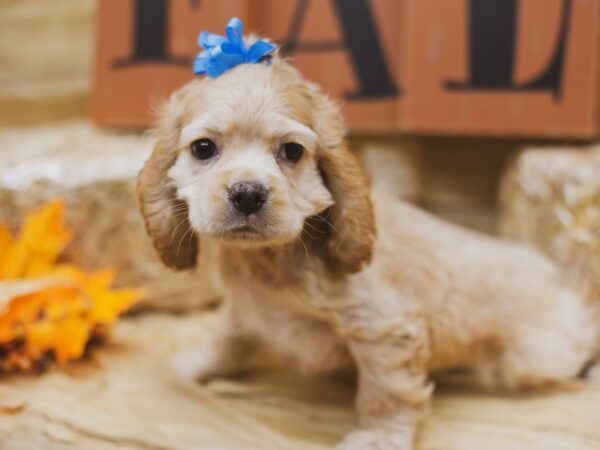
(550, 349)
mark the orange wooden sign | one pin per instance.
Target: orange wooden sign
(510, 67)
(351, 48)
(518, 67)
(145, 49)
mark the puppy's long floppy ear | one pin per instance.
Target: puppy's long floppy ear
(165, 216)
(352, 234)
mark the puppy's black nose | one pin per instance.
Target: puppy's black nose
(248, 197)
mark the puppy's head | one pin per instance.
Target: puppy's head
(246, 159)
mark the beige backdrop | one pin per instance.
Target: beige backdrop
(46, 52)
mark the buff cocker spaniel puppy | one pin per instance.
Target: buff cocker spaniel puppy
(251, 167)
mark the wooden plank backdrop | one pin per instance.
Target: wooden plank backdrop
(46, 55)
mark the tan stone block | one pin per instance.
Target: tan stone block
(95, 174)
(550, 198)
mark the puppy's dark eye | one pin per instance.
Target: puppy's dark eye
(203, 149)
(291, 152)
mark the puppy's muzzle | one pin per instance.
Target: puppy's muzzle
(248, 197)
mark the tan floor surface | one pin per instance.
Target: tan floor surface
(126, 397)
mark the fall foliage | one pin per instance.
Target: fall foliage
(62, 308)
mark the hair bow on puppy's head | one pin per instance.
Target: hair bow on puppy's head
(222, 53)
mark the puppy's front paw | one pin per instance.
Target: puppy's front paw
(195, 364)
(376, 440)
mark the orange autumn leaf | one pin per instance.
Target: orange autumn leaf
(43, 237)
(6, 239)
(7, 333)
(69, 339)
(61, 316)
(6, 243)
(39, 337)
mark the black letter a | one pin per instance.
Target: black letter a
(360, 38)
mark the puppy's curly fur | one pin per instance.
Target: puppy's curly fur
(335, 276)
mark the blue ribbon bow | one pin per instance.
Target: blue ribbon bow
(223, 53)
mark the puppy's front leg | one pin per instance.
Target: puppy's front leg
(227, 352)
(393, 392)
(222, 357)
